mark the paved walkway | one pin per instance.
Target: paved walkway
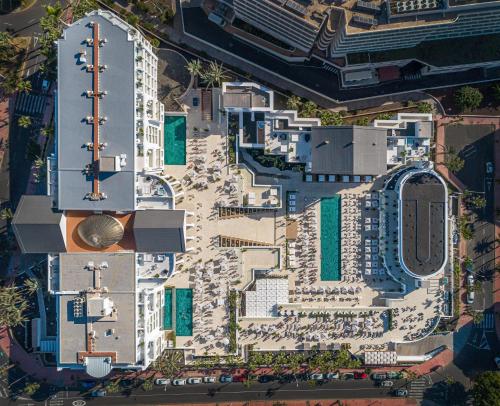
(442, 359)
(4, 140)
(326, 402)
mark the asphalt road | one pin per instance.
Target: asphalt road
(309, 74)
(229, 392)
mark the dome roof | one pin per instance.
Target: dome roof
(100, 230)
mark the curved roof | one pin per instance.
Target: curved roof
(100, 230)
(424, 224)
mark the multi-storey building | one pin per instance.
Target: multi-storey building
(368, 26)
(109, 223)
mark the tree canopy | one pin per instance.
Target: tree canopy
(486, 389)
(468, 98)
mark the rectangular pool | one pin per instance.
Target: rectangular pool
(175, 140)
(330, 238)
(167, 310)
(184, 312)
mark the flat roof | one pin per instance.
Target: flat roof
(159, 230)
(73, 106)
(349, 150)
(424, 223)
(35, 217)
(119, 279)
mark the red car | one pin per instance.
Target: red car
(239, 378)
(360, 375)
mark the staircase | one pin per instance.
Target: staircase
(226, 242)
(234, 212)
(206, 105)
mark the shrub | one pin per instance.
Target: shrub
(468, 98)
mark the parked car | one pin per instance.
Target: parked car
(360, 375)
(162, 381)
(88, 384)
(497, 361)
(316, 377)
(470, 280)
(209, 379)
(265, 378)
(470, 297)
(99, 393)
(125, 383)
(348, 375)
(332, 375)
(489, 167)
(379, 376)
(194, 381)
(394, 375)
(226, 378)
(401, 393)
(387, 384)
(179, 382)
(239, 378)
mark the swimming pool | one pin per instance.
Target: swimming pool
(167, 310)
(175, 140)
(330, 238)
(184, 312)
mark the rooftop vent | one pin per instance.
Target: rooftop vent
(100, 230)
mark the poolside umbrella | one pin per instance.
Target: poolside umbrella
(225, 341)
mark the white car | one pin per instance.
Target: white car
(209, 379)
(332, 375)
(162, 381)
(179, 382)
(194, 381)
(470, 297)
(316, 377)
(470, 280)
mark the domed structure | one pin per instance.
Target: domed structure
(100, 230)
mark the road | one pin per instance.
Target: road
(309, 74)
(231, 392)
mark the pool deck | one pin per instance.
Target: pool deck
(211, 271)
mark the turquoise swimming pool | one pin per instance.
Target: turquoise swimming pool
(184, 312)
(330, 238)
(175, 140)
(167, 310)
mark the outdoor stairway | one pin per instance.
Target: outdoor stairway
(225, 241)
(206, 105)
(30, 104)
(233, 212)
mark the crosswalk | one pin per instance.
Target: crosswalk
(487, 323)
(329, 68)
(417, 388)
(30, 104)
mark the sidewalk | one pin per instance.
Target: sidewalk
(4, 149)
(326, 402)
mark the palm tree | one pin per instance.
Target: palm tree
(24, 121)
(147, 385)
(31, 285)
(294, 103)
(12, 307)
(195, 67)
(31, 388)
(214, 75)
(169, 363)
(6, 214)
(23, 86)
(112, 387)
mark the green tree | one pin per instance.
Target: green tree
(23, 86)
(384, 116)
(169, 363)
(24, 121)
(214, 75)
(364, 121)
(195, 68)
(133, 20)
(31, 388)
(309, 109)
(6, 214)
(495, 89)
(468, 98)
(486, 389)
(31, 285)
(453, 162)
(83, 7)
(328, 117)
(13, 307)
(47, 131)
(424, 107)
(112, 387)
(147, 385)
(478, 202)
(294, 103)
